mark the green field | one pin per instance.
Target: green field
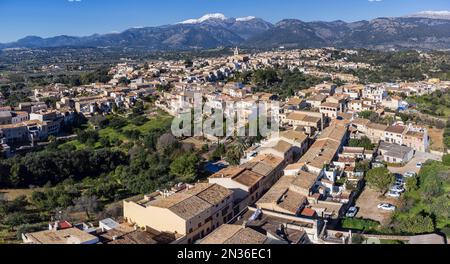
(161, 120)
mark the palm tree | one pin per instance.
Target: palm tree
(241, 145)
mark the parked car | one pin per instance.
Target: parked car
(352, 211)
(378, 165)
(386, 207)
(400, 182)
(398, 176)
(397, 188)
(410, 174)
(393, 194)
(419, 165)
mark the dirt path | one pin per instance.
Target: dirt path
(368, 206)
(437, 139)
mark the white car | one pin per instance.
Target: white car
(378, 165)
(393, 194)
(419, 165)
(397, 188)
(386, 207)
(352, 211)
(410, 174)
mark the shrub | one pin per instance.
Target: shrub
(380, 179)
(117, 122)
(359, 224)
(417, 224)
(139, 121)
(446, 160)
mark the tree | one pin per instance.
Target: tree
(17, 205)
(447, 141)
(185, 167)
(100, 121)
(138, 109)
(380, 179)
(105, 142)
(218, 152)
(139, 120)
(39, 199)
(265, 77)
(88, 136)
(446, 160)
(412, 184)
(205, 148)
(362, 166)
(440, 207)
(17, 174)
(372, 116)
(364, 142)
(99, 75)
(87, 204)
(242, 144)
(235, 152)
(165, 141)
(115, 108)
(28, 228)
(431, 186)
(133, 134)
(39, 168)
(151, 139)
(117, 122)
(233, 156)
(416, 224)
(124, 80)
(15, 219)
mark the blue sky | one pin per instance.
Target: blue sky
(19, 18)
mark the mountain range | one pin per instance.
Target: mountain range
(425, 30)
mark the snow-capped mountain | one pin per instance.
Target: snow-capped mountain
(248, 18)
(204, 18)
(216, 16)
(244, 27)
(208, 31)
(425, 30)
(433, 14)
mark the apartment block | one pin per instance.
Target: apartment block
(310, 122)
(191, 213)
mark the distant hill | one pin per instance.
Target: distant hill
(208, 32)
(422, 31)
(432, 14)
(380, 33)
